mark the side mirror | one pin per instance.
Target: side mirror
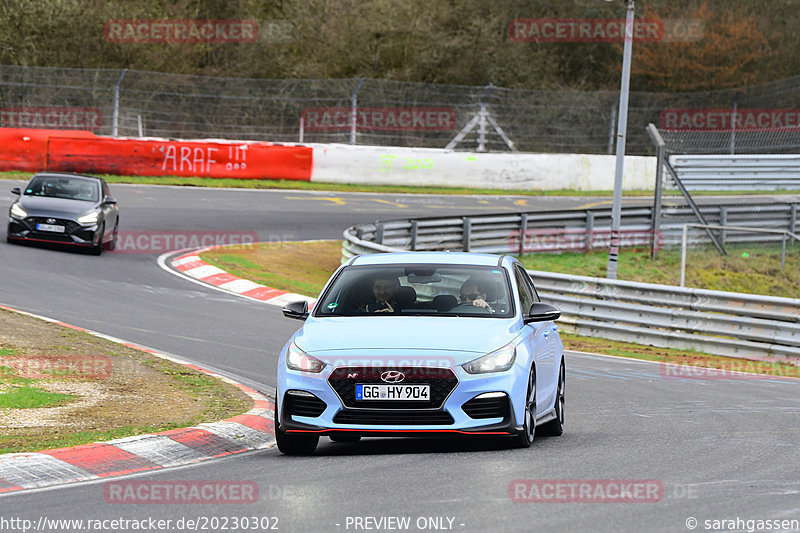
(110, 200)
(541, 313)
(298, 310)
(16, 191)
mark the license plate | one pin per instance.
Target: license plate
(420, 393)
(50, 227)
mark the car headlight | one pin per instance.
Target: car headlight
(497, 361)
(18, 212)
(89, 219)
(297, 359)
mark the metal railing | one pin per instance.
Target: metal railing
(737, 172)
(553, 231)
(723, 323)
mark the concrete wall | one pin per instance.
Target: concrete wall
(376, 165)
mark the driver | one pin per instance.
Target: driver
(384, 290)
(473, 292)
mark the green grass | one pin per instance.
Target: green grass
(26, 397)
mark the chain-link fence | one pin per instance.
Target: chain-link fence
(380, 112)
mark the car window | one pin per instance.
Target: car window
(524, 287)
(66, 187)
(435, 290)
(526, 279)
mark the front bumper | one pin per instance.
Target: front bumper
(334, 415)
(73, 234)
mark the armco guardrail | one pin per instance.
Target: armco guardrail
(723, 323)
(554, 231)
(737, 172)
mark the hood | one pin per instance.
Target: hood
(38, 206)
(455, 340)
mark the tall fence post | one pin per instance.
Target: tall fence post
(655, 224)
(354, 110)
(115, 126)
(612, 124)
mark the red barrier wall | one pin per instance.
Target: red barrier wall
(82, 151)
(26, 149)
(180, 158)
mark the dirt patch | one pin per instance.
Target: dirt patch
(118, 390)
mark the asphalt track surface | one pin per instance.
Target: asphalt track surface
(722, 449)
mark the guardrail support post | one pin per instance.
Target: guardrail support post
(379, 233)
(414, 229)
(523, 230)
(723, 221)
(793, 219)
(467, 232)
(589, 230)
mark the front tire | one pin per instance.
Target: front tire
(528, 433)
(97, 248)
(555, 427)
(112, 244)
(293, 444)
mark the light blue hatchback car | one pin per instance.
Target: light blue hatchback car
(421, 343)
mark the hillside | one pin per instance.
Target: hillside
(445, 41)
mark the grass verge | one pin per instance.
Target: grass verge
(291, 266)
(62, 387)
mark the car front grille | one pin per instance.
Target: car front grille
(487, 407)
(375, 417)
(441, 380)
(70, 227)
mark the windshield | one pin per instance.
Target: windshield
(64, 187)
(436, 290)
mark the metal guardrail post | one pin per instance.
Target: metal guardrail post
(793, 219)
(589, 230)
(414, 231)
(523, 230)
(379, 233)
(467, 233)
(723, 221)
